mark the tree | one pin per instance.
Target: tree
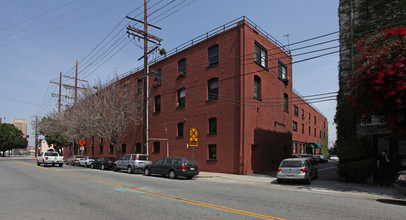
(11, 138)
(55, 130)
(378, 84)
(107, 112)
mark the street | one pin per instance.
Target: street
(69, 192)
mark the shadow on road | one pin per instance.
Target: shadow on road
(392, 201)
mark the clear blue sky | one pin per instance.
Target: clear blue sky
(39, 39)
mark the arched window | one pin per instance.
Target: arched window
(213, 89)
(213, 55)
(213, 126)
(257, 87)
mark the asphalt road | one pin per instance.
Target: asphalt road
(31, 192)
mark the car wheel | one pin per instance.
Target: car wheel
(129, 170)
(92, 166)
(61, 165)
(172, 174)
(38, 163)
(147, 172)
(309, 179)
(103, 167)
(115, 168)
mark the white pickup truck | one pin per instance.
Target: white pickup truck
(50, 157)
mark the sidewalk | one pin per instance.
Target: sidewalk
(18, 157)
(334, 187)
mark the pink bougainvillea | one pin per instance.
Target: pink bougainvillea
(378, 82)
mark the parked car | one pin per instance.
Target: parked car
(299, 169)
(103, 163)
(400, 182)
(320, 159)
(173, 167)
(310, 156)
(50, 157)
(86, 161)
(334, 157)
(132, 162)
(73, 160)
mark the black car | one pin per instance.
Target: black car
(173, 167)
(400, 182)
(103, 163)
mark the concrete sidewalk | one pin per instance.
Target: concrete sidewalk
(333, 187)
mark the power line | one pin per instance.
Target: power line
(37, 16)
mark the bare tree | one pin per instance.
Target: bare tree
(106, 112)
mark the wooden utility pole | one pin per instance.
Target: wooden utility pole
(36, 136)
(76, 87)
(76, 83)
(135, 32)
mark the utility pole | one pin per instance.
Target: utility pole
(76, 87)
(135, 32)
(76, 82)
(36, 136)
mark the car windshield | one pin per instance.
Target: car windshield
(291, 163)
(50, 154)
(190, 162)
(143, 157)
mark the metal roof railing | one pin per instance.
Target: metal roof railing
(206, 36)
(307, 102)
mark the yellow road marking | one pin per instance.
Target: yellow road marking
(242, 212)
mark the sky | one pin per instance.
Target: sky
(40, 39)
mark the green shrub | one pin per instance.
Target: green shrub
(356, 171)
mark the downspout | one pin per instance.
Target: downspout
(242, 95)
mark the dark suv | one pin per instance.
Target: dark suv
(173, 167)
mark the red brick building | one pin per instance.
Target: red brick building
(309, 127)
(232, 85)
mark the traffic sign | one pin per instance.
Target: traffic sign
(193, 133)
(82, 142)
(193, 142)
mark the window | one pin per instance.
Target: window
(157, 147)
(213, 126)
(123, 148)
(158, 75)
(182, 67)
(139, 85)
(310, 131)
(282, 70)
(111, 149)
(261, 55)
(310, 117)
(320, 133)
(213, 53)
(138, 148)
(324, 124)
(285, 102)
(302, 128)
(181, 98)
(294, 126)
(296, 111)
(125, 91)
(213, 89)
(180, 129)
(157, 103)
(101, 146)
(212, 152)
(257, 87)
(315, 120)
(314, 132)
(302, 113)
